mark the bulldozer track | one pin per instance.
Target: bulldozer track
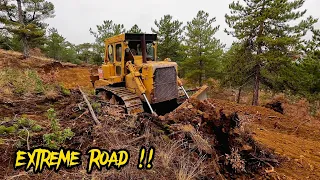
(132, 102)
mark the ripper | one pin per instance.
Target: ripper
(41, 157)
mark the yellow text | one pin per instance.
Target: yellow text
(41, 157)
(103, 158)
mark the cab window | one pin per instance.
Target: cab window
(118, 52)
(110, 53)
(150, 51)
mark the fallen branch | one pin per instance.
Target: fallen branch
(28, 145)
(90, 108)
(81, 115)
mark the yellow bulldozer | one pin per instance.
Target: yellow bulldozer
(133, 76)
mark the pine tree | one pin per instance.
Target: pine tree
(169, 34)
(104, 31)
(202, 48)
(5, 41)
(58, 48)
(135, 29)
(85, 52)
(233, 71)
(55, 44)
(313, 46)
(311, 64)
(69, 53)
(24, 18)
(265, 28)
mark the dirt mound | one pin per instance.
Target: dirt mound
(54, 66)
(37, 52)
(12, 59)
(223, 136)
(67, 74)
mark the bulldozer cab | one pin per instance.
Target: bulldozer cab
(129, 47)
(137, 48)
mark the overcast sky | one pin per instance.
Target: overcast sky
(75, 17)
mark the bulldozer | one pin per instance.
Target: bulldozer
(132, 75)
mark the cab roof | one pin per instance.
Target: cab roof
(131, 37)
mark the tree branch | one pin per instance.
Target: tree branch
(34, 12)
(8, 13)
(90, 108)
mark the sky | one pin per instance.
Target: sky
(74, 18)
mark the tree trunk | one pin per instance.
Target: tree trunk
(200, 76)
(23, 36)
(255, 100)
(25, 46)
(200, 63)
(239, 94)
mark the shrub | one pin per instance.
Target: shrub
(23, 128)
(58, 136)
(7, 130)
(36, 128)
(96, 106)
(25, 122)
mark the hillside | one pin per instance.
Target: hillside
(215, 139)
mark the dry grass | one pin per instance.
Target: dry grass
(51, 94)
(200, 143)
(190, 170)
(168, 153)
(22, 82)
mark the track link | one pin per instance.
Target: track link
(132, 102)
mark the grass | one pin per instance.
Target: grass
(188, 170)
(65, 91)
(22, 82)
(168, 153)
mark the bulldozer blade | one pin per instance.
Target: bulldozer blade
(201, 94)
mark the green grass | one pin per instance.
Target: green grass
(23, 82)
(65, 91)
